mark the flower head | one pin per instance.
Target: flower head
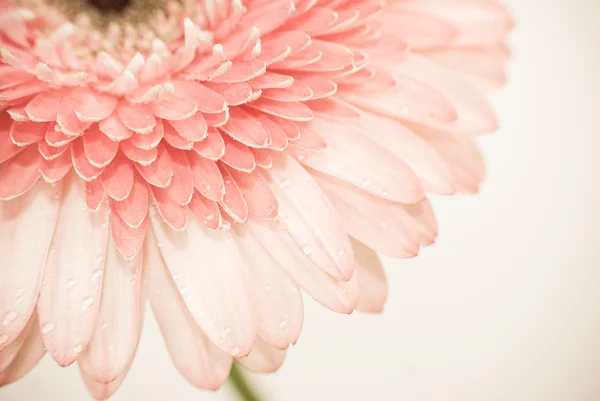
(218, 157)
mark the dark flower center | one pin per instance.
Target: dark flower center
(108, 6)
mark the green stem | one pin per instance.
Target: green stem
(241, 384)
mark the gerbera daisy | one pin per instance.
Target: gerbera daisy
(219, 158)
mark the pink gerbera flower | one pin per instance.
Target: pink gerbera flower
(217, 157)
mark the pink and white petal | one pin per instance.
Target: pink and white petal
(99, 149)
(94, 195)
(309, 219)
(9, 353)
(355, 159)
(173, 214)
(136, 118)
(465, 161)
(371, 279)
(206, 211)
(382, 225)
(102, 391)
(25, 235)
(129, 240)
(238, 155)
(55, 170)
(116, 337)
(215, 292)
(278, 299)
(233, 201)
(339, 296)
(70, 295)
(195, 356)
(264, 358)
(81, 164)
(26, 358)
(182, 184)
(261, 201)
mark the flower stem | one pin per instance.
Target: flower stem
(241, 384)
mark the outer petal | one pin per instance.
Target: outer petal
(207, 268)
(309, 220)
(116, 336)
(25, 234)
(27, 357)
(278, 299)
(69, 300)
(196, 357)
(371, 279)
(263, 358)
(382, 225)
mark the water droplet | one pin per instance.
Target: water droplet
(204, 188)
(225, 226)
(70, 284)
(307, 249)
(183, 289)
(88, 301)
(227, 181)
(9, 317)
(235, 351)
(48, 327)
(341, 252)
(226, 331)
(366, 182)
(285, 183)
(78, 348)
(104, 327)
(286, 219)
(384, 193)
(283, 323)
(3, 338)
(209, 217)
(176, 276)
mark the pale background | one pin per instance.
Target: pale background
(505, 307)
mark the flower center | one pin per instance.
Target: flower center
(107, 6)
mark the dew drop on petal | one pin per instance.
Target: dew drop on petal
(88, 301)
(366, 182)
(47, 327)
(78, 348)
(307, 249)
(3, 338)
(235, 351)
(9, 317)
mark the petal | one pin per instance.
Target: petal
(212, 147)
(207, 177)
(134, 208)
(263, 358)
(116, 337)
(206, 211)
(261, 201)
(68, 303)
(117, 178)
(182, 184)
(27, 357)
(27, 226)
(99, 149)
(160, 172)
(355, 159)
(245, 128)
(214, 291)
(382, 225)
(371, 279)
(277, 297)
(238, 156)
(20, 173)
(195, 356)
(309, 219)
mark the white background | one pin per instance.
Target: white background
(505, 307)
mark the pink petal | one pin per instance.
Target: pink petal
(136, 118)
(134, 208)
(68, 303)
(261, 201)
(19, 174)
(81, 164)
(203, 95)
(193, 128)
(245, 128)
(263, 358)
(51, 152)
(27, 133)
(238, 156)
(382, 225)
(207, 177)
(128, 240)
(212, 147)
(94, 195)
(307, 217)
(371, 279)
(294, 111)
(55, 170)
(355, 159)
(114, 128)
(233, 201)
(160, 172)
(278, 299)
(117, 178)
(150, 140)
(198, 359)
(93, 106)
(182, 184)
(27, 226)
(138, 155)
(113, 344)
(27, 357)
(173, 138)
(98, 148)
(215, 294)
(171, 212)
(206, 211)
